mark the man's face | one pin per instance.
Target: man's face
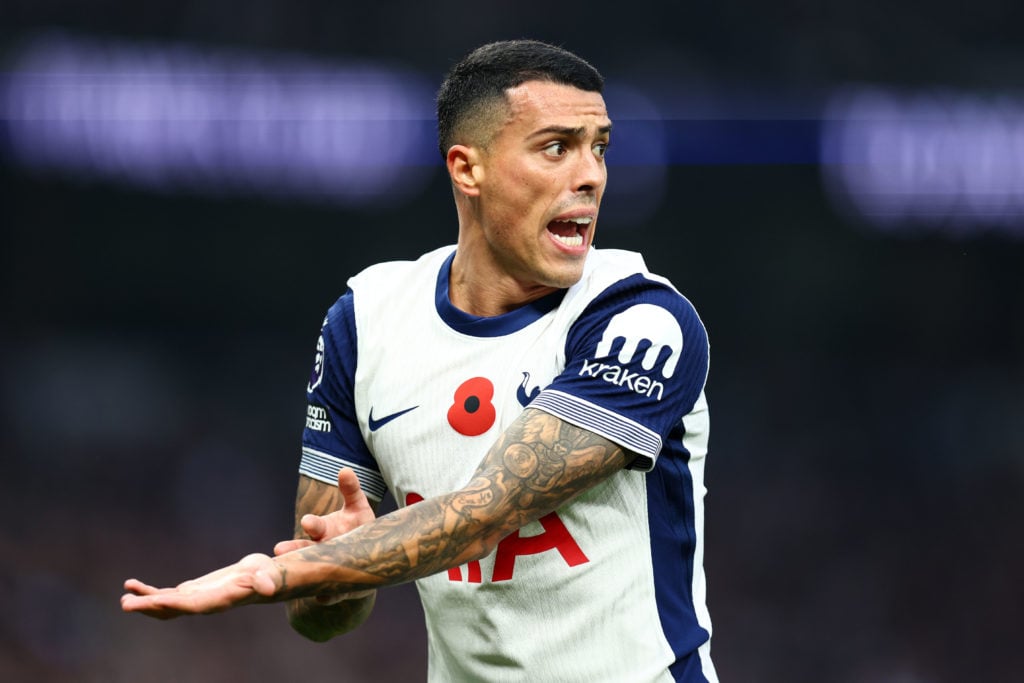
(543, 179)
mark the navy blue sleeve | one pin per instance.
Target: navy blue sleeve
(636, 363)
(332, 438)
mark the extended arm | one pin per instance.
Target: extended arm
(540, 463)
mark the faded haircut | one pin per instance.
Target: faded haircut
(476, 87)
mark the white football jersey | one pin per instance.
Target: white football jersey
(411, 392)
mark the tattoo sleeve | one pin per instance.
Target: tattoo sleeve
(538, 464)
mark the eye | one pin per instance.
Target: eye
(600, 149)
(556, 149)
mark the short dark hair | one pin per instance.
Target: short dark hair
(480, 80)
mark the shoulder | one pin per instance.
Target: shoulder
(379, 287)
(634, 313)
(617, 284)
(398, 274)
(607, 266)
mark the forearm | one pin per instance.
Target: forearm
(320, 622)
(406, 545)
(540, 463)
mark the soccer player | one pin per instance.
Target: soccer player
(535, 405)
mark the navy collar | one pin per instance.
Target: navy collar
(492, 326)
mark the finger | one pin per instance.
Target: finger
(314, 526)
(351, 491)
(136, 587)
(288, 546)
(171, 605)
(148, 605)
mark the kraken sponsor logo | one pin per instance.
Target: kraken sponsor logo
(635, 325)
(620, 376)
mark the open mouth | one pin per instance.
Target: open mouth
(570, 231)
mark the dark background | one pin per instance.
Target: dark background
(866, 474)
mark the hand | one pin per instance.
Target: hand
(254, 578)
(355, 511)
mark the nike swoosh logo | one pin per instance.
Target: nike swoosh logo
(377, 424)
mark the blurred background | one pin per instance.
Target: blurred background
(837, 186)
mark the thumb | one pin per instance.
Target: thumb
(283, 547)
(266, 580)
(351, 492)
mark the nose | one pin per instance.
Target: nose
(590, 173)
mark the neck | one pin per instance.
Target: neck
(483, 289)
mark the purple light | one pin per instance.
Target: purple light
(910, 161)
(637, 162)
(169, 117)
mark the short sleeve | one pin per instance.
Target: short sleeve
(332, 439)
(636, 363)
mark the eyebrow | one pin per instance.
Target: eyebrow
(570, 132)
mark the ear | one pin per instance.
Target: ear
(465, 169)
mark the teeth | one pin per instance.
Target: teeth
(582, 220)
(570, 241)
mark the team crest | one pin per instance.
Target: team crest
(522, 395)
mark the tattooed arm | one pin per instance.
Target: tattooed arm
(322, 512)
(540, 463)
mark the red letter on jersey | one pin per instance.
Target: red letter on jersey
(555, 536)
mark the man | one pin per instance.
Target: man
(535, 405)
